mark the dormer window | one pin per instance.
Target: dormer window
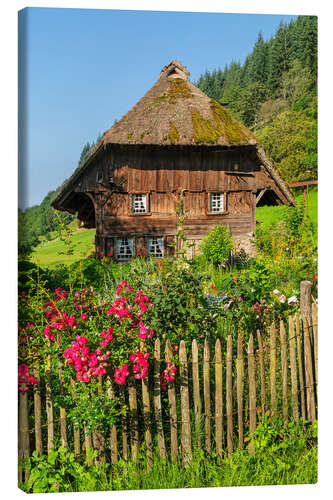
(139, 203)
(216, 203)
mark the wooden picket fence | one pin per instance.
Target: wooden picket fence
(220, 394)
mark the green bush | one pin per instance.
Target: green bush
(218, 244)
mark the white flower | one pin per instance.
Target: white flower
(276, 292)
(282, 299)
(293, 300)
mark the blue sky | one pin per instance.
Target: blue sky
(86, 68)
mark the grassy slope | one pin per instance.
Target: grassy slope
(271, 215)
(48, 253)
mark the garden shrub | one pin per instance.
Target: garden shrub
(218, 244)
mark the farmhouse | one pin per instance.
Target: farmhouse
(174, 139)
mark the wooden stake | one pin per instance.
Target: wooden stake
(262, 372)
(315, 339)
(300, 366)
(196, 390)
(49, 404)
(76, 429)
(229, 395)
(172, 406)
(293, 368)
(185, 405)
(252, 390)
(157, 399)
(87, 443)
(206, 382)
(133, 407)
(63, 430)
(310, 400)
(146, 417)
(122, 398)
(284, 369)
(240, 389)
(272, 367)
(38, 411)
(113, 429)
(218, 398)
(24, 444)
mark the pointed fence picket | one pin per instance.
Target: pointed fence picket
(215, 380)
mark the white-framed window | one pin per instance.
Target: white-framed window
(139, 203)
(124, 248)
(155, 246)
(216, 202)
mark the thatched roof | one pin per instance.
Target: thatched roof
(174, 111)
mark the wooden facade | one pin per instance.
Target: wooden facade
(103, 190)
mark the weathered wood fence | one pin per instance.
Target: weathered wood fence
(221, 391)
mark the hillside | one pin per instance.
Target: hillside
(274, 93)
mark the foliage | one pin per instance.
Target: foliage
(180, 308)
(218, 244)
(59, 471)
(289, 140)
(283, 455)
(274, 93)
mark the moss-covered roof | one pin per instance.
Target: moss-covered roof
(174, 111)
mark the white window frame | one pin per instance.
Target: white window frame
(122, 247)
(139, 203)
(217, 202)
(156, 241)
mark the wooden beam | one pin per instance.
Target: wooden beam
(260, 195)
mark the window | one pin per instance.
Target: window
(216, 202)
(139, 203)
(124, 249)
(155, 246)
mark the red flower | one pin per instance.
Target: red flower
(315, 277)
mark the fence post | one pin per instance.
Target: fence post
(63, 431)
(315, 338)
(305, 304)
(206, 381)
(272, 367)
(38, 411)
(252, 390)
(300, 366)
(284, 370)
(218, 398)
(98, 437)
(293, 367)
(262, 372)
(24, 445)
(196, 390)
(157, 399)
(310, 399)
(49, 404)
(133, 408)
(229, 395)
(240, 389)
(122, 398)
(185, 405)
(76, 430)
(172, 406)
(113, 429)
(87, 443)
